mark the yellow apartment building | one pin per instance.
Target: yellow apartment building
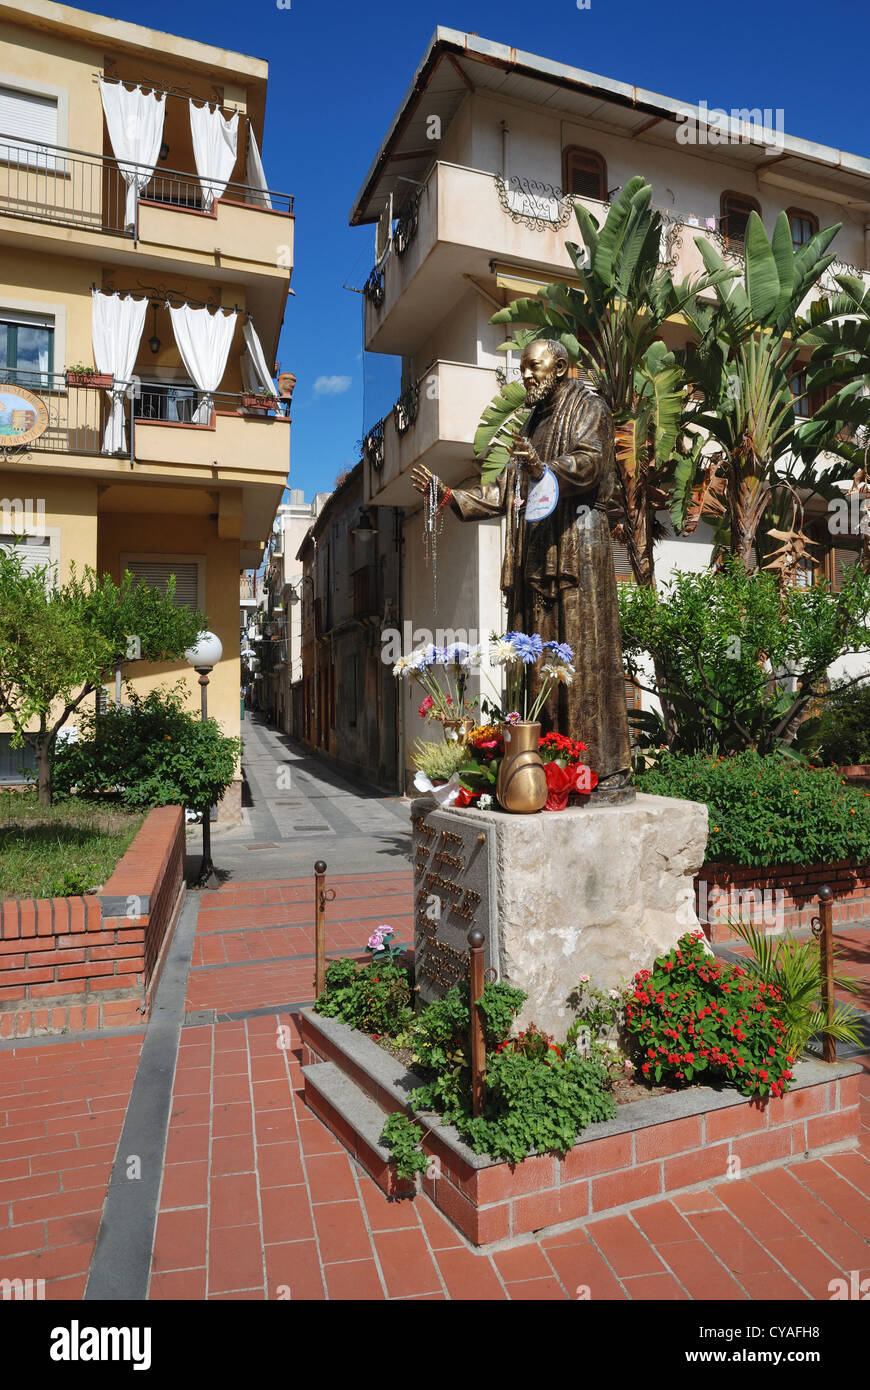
(139, 239)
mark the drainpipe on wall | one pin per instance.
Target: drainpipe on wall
(505, 132)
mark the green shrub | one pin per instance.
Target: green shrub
(766, 811)
(152, 752)
(841, 733)
(403, 1136)
(538, 1096)
(537, 1103)
(375, 997)
(695, 1015)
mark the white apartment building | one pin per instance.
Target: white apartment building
(471, 193)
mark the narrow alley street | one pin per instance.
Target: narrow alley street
(240, 1192)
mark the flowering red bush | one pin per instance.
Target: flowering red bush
(693, 1013)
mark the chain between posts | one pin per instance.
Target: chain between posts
(823, 930)
(477, 982)
(322, 896)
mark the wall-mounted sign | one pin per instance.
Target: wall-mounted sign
(23, 416)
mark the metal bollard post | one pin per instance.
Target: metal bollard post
(322, 896)
(823, 931)
(476, 942)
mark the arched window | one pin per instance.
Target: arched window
(584, 172)
(735, 210)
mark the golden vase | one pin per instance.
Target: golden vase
(521, 785)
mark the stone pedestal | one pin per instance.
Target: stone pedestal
(595, 890)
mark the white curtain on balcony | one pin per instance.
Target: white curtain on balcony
(116, 331)
(255, 374)
(135, 124)
(203, 339)
(215, 147)
(255, 174)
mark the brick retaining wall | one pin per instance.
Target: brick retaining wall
(90, 962)
(785, 896)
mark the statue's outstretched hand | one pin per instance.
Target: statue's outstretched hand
(526, 456)
(421, 478)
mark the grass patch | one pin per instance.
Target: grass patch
(49, 852)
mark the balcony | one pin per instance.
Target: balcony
(438, 432)
(79, 198)
(461, 220)
(159, 422)
(465, 223)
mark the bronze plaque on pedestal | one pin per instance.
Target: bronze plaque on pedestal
(454, 890)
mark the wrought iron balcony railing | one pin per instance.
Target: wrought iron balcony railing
(77, 416)
(71, 188)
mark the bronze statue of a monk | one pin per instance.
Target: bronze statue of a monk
(557, 575)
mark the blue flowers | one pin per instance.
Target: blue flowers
(561, 649)
(529, 646)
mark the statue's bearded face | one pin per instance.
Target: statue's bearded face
(539, 375)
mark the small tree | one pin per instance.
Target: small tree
(740, 657)
(60, 642)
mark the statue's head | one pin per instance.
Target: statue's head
(544, 364)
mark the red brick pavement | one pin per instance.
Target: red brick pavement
(255, 945)
(62, 1108)
(263, 1202)
(258, 1199)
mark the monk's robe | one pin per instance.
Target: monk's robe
(557, 574)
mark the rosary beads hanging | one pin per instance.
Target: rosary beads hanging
(433, 525)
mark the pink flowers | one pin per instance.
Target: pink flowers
(379, 938)
(425, 706)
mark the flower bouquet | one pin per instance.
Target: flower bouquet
(443, 673)
(568, 776)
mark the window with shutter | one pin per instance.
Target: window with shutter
(841, 559)
(35, 551)
(155, 573)
(28, 128)
(584, 172)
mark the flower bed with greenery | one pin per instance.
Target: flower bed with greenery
(692, 1019)
(52, 851)
(764, 810)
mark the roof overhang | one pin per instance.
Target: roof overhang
(455, 63)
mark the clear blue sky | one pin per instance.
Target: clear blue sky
(337, 71)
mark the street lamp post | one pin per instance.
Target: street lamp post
(203, 658)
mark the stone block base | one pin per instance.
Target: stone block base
(594, 890)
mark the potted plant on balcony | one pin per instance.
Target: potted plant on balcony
(82, 375)
(252, 400)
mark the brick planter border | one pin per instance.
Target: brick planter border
(93, 962)
(652, 1149)
(797, 883)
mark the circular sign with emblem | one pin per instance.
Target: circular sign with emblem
(23, 416)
